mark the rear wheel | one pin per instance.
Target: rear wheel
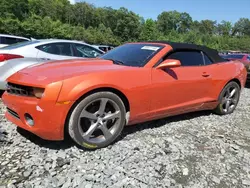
(97, 120)
(228, 99)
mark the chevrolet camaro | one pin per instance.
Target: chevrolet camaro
(93, 99)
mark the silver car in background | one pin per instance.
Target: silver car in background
(51, 49)
(21, 55)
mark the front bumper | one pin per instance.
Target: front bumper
(49, 117)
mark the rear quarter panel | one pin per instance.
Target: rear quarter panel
(5, 71)
(222, 73)
(19, 64)
(26, 51)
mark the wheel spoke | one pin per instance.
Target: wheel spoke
(228, 92)
(90, 131)
(232, 93)
(102, 106)
(88, 115)
(224, 100)
(112, 116)
(106, 133)
(227, 105)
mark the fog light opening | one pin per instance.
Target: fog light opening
(29, 120)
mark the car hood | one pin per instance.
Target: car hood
(59, 70)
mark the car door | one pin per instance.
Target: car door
(55, 51)
(181, 88)
(86, 51)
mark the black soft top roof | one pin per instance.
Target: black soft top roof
(211, 53)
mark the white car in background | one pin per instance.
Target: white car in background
(6, 40)
(21, 55)
(51, 49)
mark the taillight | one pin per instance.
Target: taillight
(4, 57)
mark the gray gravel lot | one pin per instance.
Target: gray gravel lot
(193, 150)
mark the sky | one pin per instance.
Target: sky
(217, 10)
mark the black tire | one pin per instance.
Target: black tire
(221, 109)
(1, 93)
(75, 130)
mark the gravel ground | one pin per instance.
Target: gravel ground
(193, 150)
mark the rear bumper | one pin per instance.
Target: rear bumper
(49, 117)
(2, 85)
(5, 71)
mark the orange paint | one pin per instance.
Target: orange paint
(152, 93)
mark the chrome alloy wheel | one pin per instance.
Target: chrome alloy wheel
(99, 120)
(230, 99)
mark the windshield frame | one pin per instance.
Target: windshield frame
(159, 46)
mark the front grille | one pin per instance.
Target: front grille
(21, 90)
(13, 113)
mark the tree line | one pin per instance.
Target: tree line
(85, 22)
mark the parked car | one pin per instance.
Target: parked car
(243, 57)
(95, 98)
(51, 49)
(18, 56)
(6, 40)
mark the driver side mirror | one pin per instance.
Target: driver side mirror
(169, 63)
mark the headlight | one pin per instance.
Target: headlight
(38, 92)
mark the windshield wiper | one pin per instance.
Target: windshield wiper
(117, 62)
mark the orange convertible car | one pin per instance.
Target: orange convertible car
(93, 99)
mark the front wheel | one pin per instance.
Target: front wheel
(228, 99)
(97, 120)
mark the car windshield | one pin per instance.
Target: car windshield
(136, 55)
(234, 56)
(19, 45)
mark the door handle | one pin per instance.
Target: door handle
(204, 74)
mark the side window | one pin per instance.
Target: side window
(86, 51)
(21, 40)
(248, 57)
(10, 40)
(59, 48)
(207, 60)
(188, 58)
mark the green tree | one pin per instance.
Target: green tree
(149, 31)
(128, 26)
(85, 22)
(224, 28)
(17, 8)
(242, 27)
(207, 27)
(168, 21)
